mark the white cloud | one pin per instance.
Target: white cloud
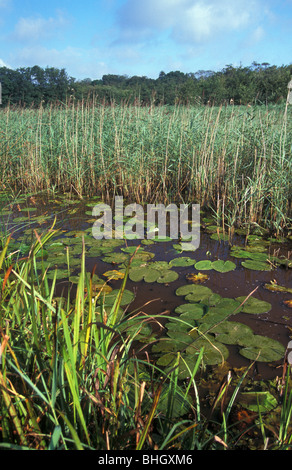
(187, 20)
(37, 28)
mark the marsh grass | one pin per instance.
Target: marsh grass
(235, 160)
(71, 379)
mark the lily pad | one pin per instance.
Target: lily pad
(183, 261)
(214, 352)
(203, 265)
(223, 309)
(262, 349)
(253, 305)
(229, 332)
(190, 311)
(115, 258)
(223, 266)
(256, 265)
(186, 364)
(153, 272)
(219, 237)
(194, 293)
(110, 298)
(258, 401)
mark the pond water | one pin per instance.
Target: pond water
(74, 218)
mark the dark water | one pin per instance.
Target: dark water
(153, 299)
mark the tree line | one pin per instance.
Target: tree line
(255, 84)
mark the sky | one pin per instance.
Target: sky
(144, 37)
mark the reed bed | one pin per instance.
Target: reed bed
(235, 160)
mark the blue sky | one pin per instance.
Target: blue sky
(143, 37)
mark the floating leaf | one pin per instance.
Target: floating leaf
(153, 272)
(219, 237)
(115, 258)
(262, 349)
(258, 401)
(147, 242)
(214, 352)
(186, 364)
(253, 305)
(167, 276)
(110, 298)
(203, 265)
(238, 252)
(223, 266)
(229, 332)
(194, 293)
(288, 303)
(223, 309)
(190, 311)
(256, 265)
(183, 261)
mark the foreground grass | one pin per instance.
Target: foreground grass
(235, 160)
(69, 377)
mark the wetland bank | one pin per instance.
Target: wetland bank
(116, 339)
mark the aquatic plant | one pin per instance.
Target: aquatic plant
(218, 157)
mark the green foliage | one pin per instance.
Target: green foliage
(257, 83)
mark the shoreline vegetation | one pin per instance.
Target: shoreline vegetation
(234, 160)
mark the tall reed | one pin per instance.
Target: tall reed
(236, 158)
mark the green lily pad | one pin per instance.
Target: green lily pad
(203, 265)
(153, 272)
(142, 332)
(238, 252)
(186, 363)
(110, 298)
(262, 402)
(190, 311)
(229, 332)
(262, 349)
(219, 237)
(167, 276)
(102, 311)
(183, 261)
(194, 293)
(147, 242)
(256, 265)
(166, 345)
(223, 309)
(214, 352)
(253, 305)
(177, 325)
(223, 266)
(115, 258)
